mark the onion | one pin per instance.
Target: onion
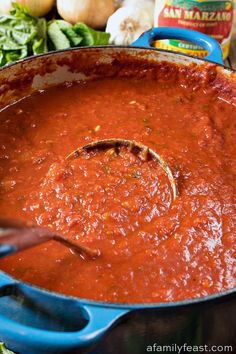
(92, 13)
(37, 8)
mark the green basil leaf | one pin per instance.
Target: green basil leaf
(68, 30)
(40, 43)
(90, 36)
(14, 55)
(21, 35)
(2, 58)
(20, 12)
(57, 37)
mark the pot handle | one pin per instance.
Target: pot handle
(201, 39)
(99, 320)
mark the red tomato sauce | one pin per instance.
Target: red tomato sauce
(153, 248)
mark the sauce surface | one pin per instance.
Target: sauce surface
(153, 249)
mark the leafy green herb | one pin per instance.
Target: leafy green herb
(70, 33)
(40, 42)
(64, 35)
(22, 35)
(21, 12)
(90, 36)
(4, 350)
(58, 38)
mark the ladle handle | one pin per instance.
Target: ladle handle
(14, 239)
(17, 236)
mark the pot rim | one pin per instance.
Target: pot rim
(74, 49)
(97, 303)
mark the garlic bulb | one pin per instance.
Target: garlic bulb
(130, 21)
(92, 13)
(37, 8)
(5, 7)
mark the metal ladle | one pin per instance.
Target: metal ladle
(139, 149)
(16, 236)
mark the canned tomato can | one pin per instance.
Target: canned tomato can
(212, 17)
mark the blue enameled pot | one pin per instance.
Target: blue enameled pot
(36, 321)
